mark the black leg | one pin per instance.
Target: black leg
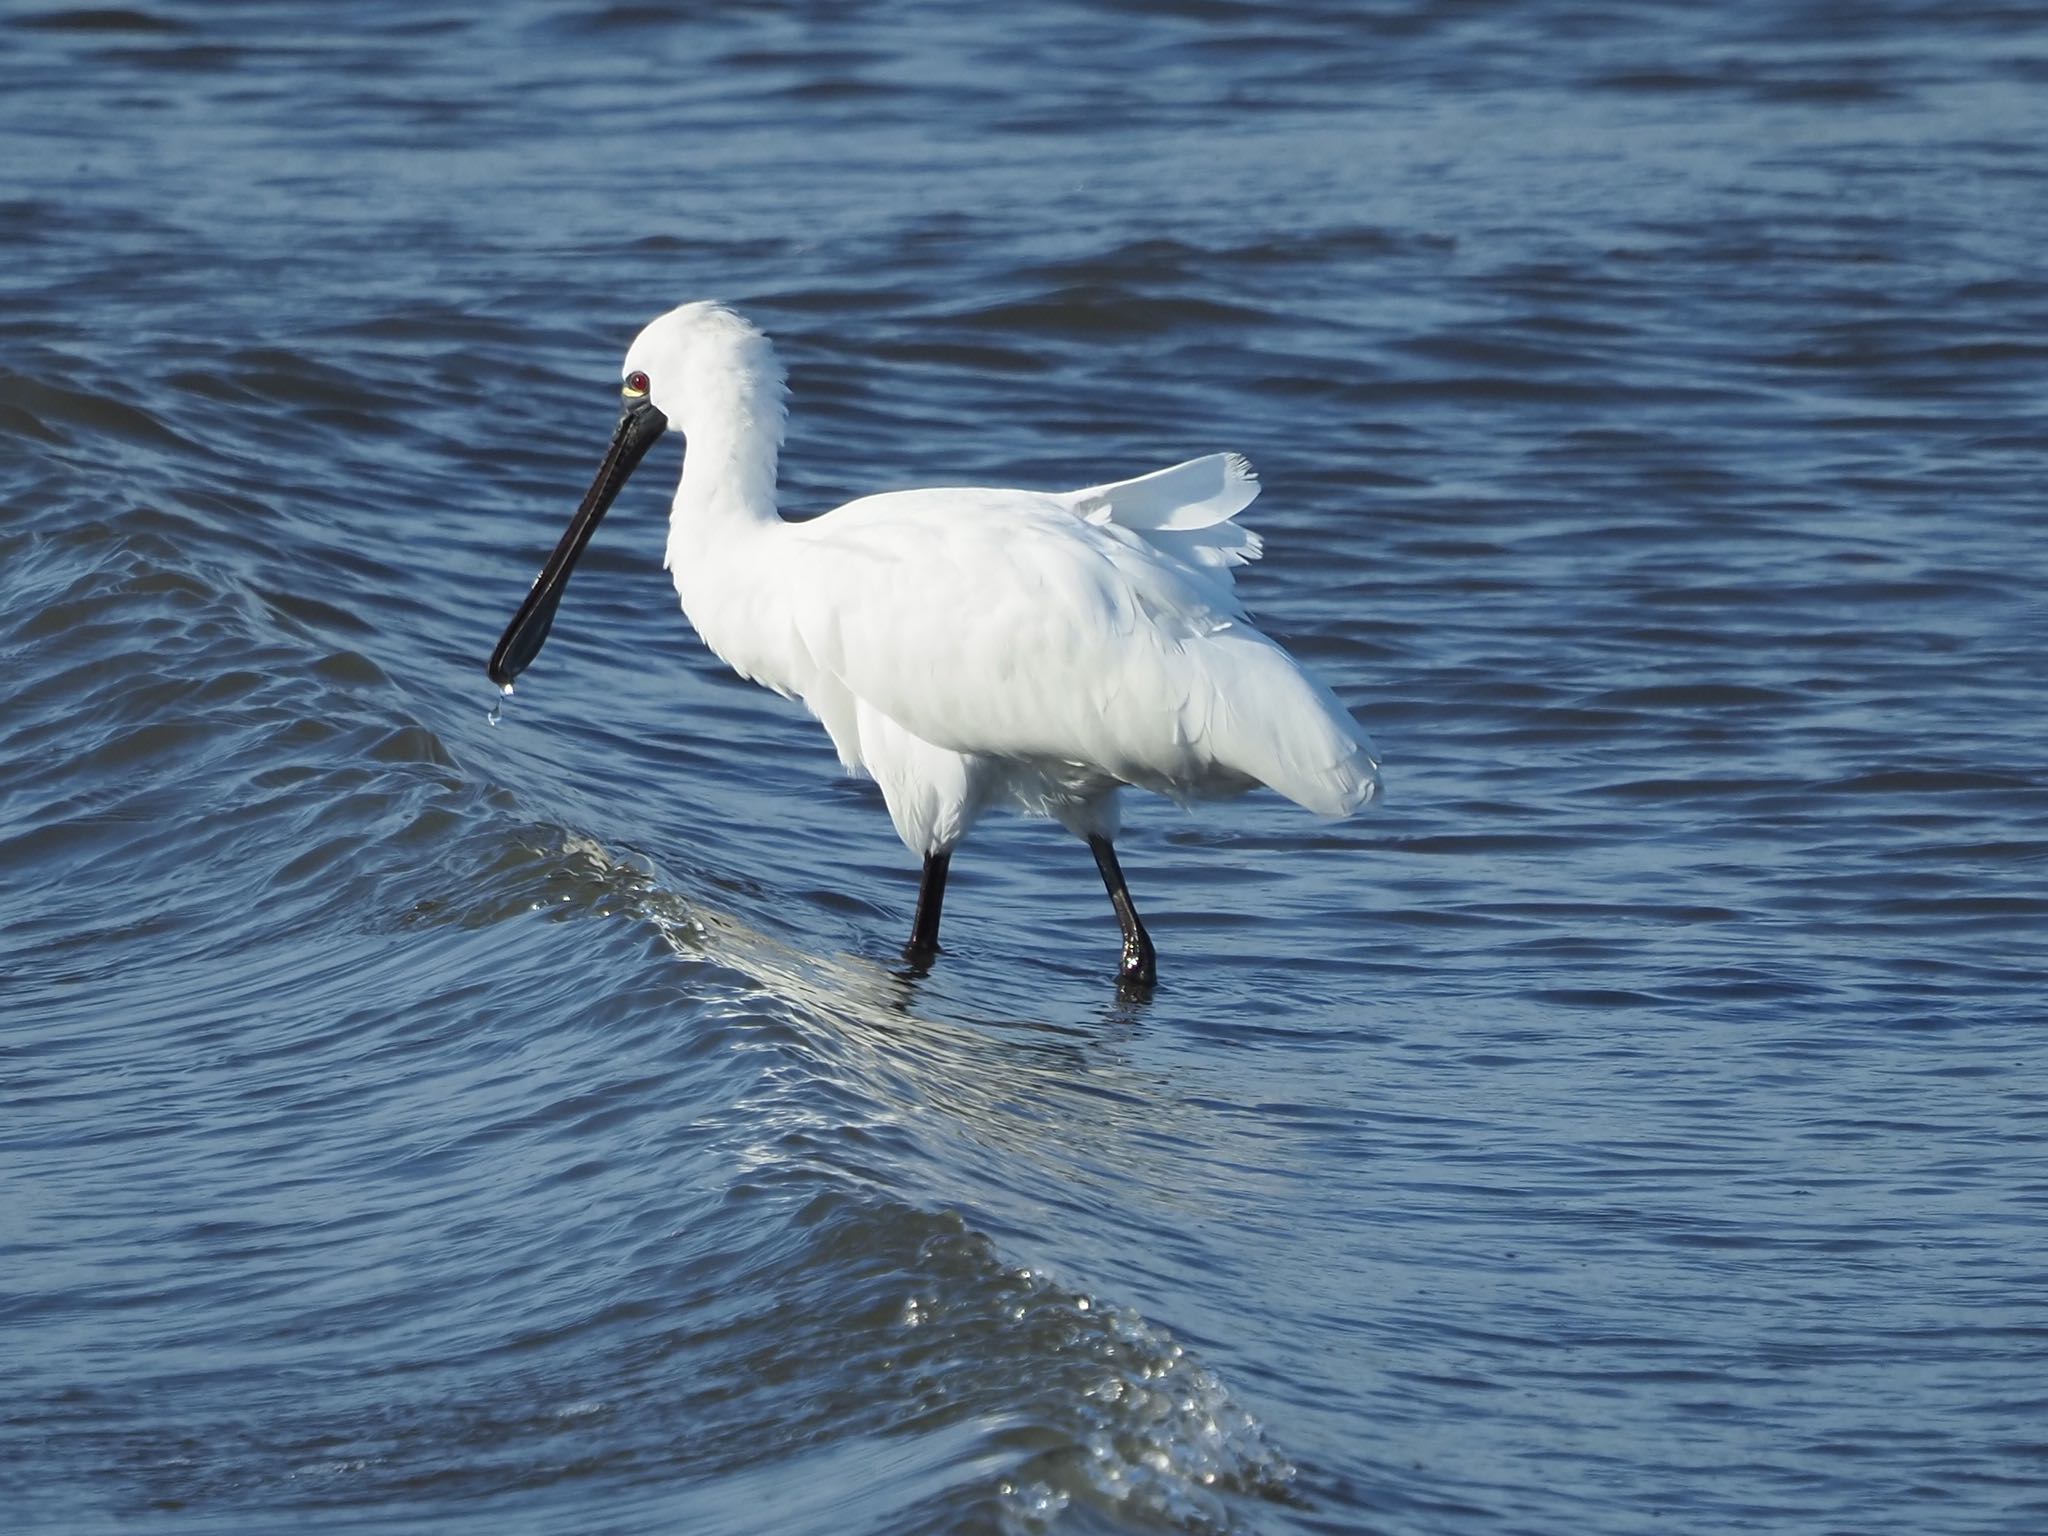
(931, 897)
(1139, 967)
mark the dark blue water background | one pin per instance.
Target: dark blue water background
(1639, 1121)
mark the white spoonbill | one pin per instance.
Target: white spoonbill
(967, 648)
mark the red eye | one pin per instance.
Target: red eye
(636, 384)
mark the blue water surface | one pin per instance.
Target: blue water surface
(1639, 1120)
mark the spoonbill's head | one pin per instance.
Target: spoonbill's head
(701, 361)
(696, 367)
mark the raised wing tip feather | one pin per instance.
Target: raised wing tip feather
(1197, 494)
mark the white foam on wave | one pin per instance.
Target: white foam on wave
(1154, 1433)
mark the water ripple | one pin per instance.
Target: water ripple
(410, 1119)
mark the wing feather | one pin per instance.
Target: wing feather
(1007, 623)
(1197, 494)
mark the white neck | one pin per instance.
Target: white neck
(733, 440)
(723, 524)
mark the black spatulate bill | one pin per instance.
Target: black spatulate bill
(638, 427)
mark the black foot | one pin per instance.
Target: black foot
(1140, 968)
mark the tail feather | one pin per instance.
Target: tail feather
(1273, 722)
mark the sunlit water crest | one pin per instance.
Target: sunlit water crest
(425, 1110)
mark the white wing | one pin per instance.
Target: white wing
(1065, 629)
